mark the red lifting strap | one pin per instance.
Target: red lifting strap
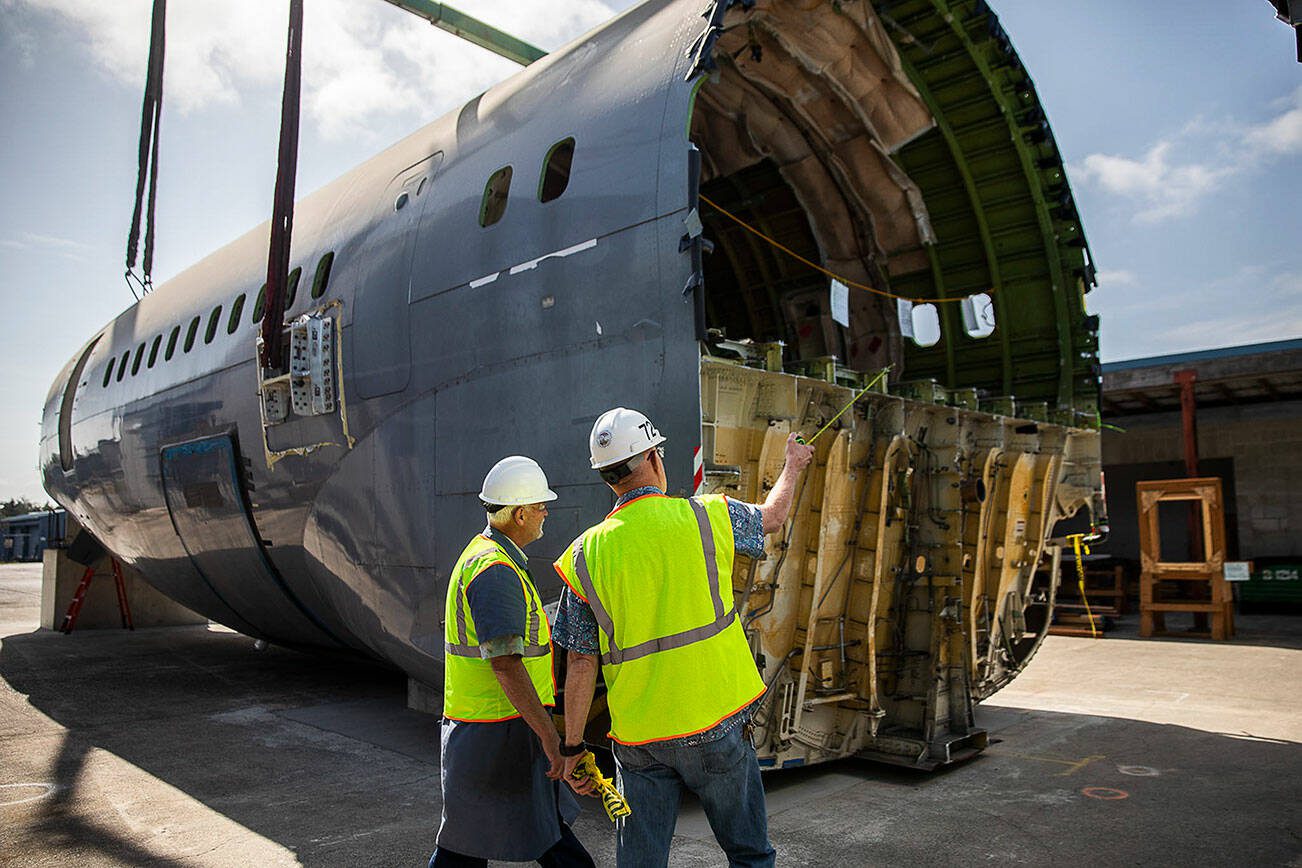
(282, 210)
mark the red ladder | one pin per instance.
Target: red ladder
(74, 608)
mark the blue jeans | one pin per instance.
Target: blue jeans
(724, 776)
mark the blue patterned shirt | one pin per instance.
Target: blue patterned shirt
(576, 626)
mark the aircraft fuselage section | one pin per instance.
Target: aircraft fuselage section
(460, 343)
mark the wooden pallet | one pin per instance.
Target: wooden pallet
(1202, 586)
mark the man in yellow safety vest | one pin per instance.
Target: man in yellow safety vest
(649, 594)
(501, 759)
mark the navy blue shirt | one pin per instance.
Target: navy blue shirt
(497, 602)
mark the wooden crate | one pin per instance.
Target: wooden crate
(1159, 578)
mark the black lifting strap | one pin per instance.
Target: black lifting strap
(282, 209)
(151, 113)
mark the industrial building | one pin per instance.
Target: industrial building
(25, 537)
(1233, 413)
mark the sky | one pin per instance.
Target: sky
(1181, 124)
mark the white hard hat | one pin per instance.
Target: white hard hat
(621, 434)
(516, 481)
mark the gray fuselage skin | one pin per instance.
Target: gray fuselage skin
(444, 368)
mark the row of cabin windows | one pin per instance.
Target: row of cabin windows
(319, 283)
(552, 182)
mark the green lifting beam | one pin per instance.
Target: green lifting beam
(473, 30)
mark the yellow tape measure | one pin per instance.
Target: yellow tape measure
(875, 380)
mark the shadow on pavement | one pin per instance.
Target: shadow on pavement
(320, 757)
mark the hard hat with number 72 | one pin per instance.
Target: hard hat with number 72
(621, 434)
(516, 481)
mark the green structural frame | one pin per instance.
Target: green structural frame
(473, 30)
(1004, 217)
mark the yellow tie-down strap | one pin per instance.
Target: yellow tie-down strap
(611, 799)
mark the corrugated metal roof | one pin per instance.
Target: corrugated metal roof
(1202, 355)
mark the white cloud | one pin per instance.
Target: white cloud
(1164, 186)
(1283, 134)
(1247, 305)
(361, 61)
(1117, 278)
(65, 247)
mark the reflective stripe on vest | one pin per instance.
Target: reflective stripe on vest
(471, 689)
(617, 655)
(533, 618)
(674, 655)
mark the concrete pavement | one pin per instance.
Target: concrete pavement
(186, 746)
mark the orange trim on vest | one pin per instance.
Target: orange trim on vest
(611, 736)
(575, 591)
(515, 716)
(634, 500)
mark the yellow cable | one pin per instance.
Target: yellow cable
(1078, 543)
(875, 380)
(612, 800)
(814, 265)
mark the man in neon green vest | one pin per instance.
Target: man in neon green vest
(501, 759)
(649, 594)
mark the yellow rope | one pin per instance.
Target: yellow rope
(1078, 543)
(875, 380)
(814, 265)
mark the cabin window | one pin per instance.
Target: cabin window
(495, 196)
(401, 201)
(291, 287)
(213, 319)
(236, 309)
(171, 343)
(926, 325)
(189, 335)
(108, 372)
(556, 171)
(260, 306)
(153, 350)
(978, 315)
(140, 354)
(322, 277)
(122, 365)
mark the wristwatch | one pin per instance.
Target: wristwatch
(573, 750)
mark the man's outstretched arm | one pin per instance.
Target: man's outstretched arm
(777, 506)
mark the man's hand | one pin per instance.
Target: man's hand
(798, 454)
(552, 747)
(777, 506)
(584, 787)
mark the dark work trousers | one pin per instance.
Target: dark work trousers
(565, 853)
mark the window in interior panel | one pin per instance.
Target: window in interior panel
(496, 192)
(322, 277)
(213, 319)
(236, 309)
(291, 287)
(556, 171)
(171, 344)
